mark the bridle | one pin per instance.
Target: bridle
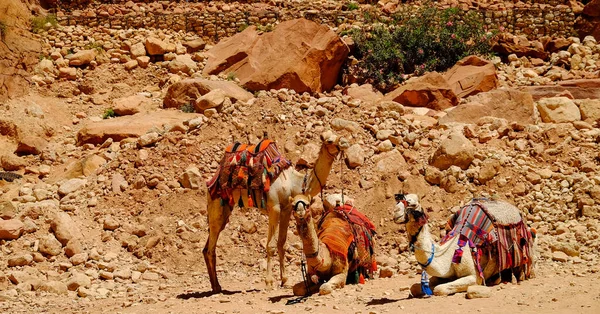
(308, 212)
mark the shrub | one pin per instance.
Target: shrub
(231, 76)
(352, 6)
(188, 107)
(429, 40)
(109, 113)
(39, 22)
(2, 30)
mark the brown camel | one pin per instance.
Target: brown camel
(289, 183)
(334, 248)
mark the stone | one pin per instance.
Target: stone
(560, 256)
(64, 228)
(386, 272)
(478, 292)
(20, 260)
(430, 91)
(73, 248)
(147, 139)
(31, 145)
(78, 280)
(355, 156)
(188, 91)
(137, 50)
(184, 64)
(49, 245)
(80, 258)
(71, 186)
(385, 146)
(84, 167)
(155, 46)
(191, 178)
(82, 57)
(110, 223)
(365, 93)
(509, 104)
(298, 54)
(150, 276)
(194, 45)
(10, 229)
(558, 110)
(472, 75)
(455, 150)
(390, 163)
(130, 65)
(11, 162)
(590, 109)
(7, 210)
(213, 99)
(55, 287)
(143, 61)
(120, 128)
(488, 170)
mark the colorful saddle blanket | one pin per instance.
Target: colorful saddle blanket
(352, 236)
(512, 243)
(250, 168)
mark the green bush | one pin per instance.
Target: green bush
(352, 6)
(3, 28)
(429, 40)
(38, 23)
(109, 113)
(189, 108)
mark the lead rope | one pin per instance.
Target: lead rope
(342, 174)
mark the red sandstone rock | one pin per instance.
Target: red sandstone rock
(299, 54)
(430, 90)
(187, 91)
(509, 44)
(472, 75)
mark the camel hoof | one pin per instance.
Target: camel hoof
(284, 281)
(217, 289)
(325, 289)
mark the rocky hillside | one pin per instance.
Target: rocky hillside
(111, 203)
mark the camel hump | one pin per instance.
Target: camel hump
(502, 212)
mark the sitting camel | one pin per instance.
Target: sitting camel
(340, 244)
(495, 251)
(288, 182)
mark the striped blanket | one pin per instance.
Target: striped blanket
(349, 233)
(250, 168)
(477, 228)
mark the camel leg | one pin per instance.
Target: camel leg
(299, 289)
(336, 282)
(284, 222)
(274, 213)
(458, 285)
(218, 216)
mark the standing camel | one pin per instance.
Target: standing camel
(339, 245)
(496, 249)
(288, 183)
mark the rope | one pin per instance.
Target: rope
(342, 174)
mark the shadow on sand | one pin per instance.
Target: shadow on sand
(383, 301)
(205, 294)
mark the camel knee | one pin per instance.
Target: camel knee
(326, 288)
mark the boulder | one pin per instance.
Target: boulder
(213, 99)
(184, 64)
(364, 92)
(10, 229)
(71, 186)
(194, 45)
(187, 91)
(131, 105)
(588, 23)
(138, 50)
(509, 104)
(455, 150)
(355, 156)
(143, 61)
(155, 46)
(507, 44)
(64, 228)
(50, 246)
(68, 72)
(430, 91)
(299, 54)
(472, 75)
(390, 163)
(590, 110)
(11, 162)
(579, 89)
(55, 287)
(78, 280)
(191, 178)
(82, 57)
(136, 125)
(83, 167)
(31, 145)
(558, 110)
(7, 210)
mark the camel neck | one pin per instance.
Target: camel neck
(308, 234)
(318, 176)
(423, 246)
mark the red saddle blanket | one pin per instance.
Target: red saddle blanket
(350, 235)
(247, 167)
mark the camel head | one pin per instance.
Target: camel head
(300, 206)
(408, 209)
(333, 144)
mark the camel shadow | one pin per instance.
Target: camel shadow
(278, 298)
(383, 301)
(205, 294)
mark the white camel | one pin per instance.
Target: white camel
(437, 260)
(288, 184)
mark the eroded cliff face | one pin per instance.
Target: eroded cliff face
(19, 50)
